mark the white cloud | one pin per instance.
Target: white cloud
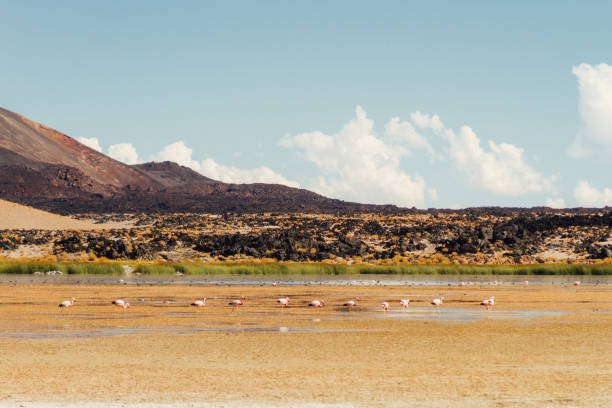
(181, 154)
(425, 121)
(123, 152)
(404, 131)
(177, 152)
(501, 170)
(595, 107)
(555, 202)
(433, 194)
(588, 196)
(231, 174)
(360, 166)
(91, 142)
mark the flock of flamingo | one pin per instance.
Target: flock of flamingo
(284, 302)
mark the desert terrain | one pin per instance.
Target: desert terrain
(540, 346)
(15, 216)
(464, 237)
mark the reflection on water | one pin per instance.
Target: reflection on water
(339, 280)
(152, 330)
(20, 328)
(463, 315)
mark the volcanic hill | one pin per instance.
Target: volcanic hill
(47, 169)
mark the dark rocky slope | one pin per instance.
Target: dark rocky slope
(49, 170)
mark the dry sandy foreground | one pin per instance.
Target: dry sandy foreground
(163, 353)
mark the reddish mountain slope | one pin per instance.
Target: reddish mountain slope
(47, 169)
(39, 143)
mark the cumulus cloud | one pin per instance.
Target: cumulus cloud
(91, 142)
(123, 152)
(500, 170)
(404, 131)
(179, 153)
(232, 174)
(360, 166)
(426, 121)
(595, 107)
(555, 202)
(588, 196)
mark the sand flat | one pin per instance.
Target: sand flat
(162, 351)
(17, 216)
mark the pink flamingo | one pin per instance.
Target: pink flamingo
(199, 303)
(438, 302)
(351, 303)
(236, 303)
(121, 303)
(316, 303)
(488, 303)
(576, 283)
(67, 303)
(405, 303)
(284, 301)
(385, 306)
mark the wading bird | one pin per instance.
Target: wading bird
(316, 303)
(385, 306)
(489, 302)
(438, 302)
(284, 301)
(576, 283)
(351, 303)
(67, 303)
(405, 303)
(199, 303)
(121, 303)
(236, 302)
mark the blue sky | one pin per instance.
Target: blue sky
(305, 94)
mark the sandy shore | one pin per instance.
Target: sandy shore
(541, 347)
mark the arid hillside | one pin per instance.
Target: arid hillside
(47, 169)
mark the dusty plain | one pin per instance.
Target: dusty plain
(163, 351)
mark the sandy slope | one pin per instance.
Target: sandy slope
(17, 216)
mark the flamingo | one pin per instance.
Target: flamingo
(67, 303)
(121, 303)
(576, 283)
(316, 303)
(236, 302)
(284, 301)
(199, 303)
(405, 303)
(438, 302)
(385, 306)
(488, 303)
(351, 303)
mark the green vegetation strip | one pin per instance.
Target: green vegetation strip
(66, 268)
(115, 268)
(326, 269)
